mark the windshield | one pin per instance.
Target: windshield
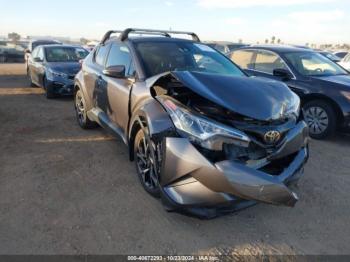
(314, 64)
(161, 57)
(331, 56)
(65, 54)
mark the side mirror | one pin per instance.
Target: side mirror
(38, 60)
(282, 73)
(115, 71)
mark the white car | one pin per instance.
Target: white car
(345, 62)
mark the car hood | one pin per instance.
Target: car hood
(70, 68)
(257, 98)
(339, 79)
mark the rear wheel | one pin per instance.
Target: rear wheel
(321, 119)
(146, 163)
(81, 112)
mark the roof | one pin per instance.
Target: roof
(279, 48)
(45, 40)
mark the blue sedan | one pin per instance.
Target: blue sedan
(54, 67)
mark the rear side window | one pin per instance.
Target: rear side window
(120, 55)
(220, 48)
(100, 55)
(267, 62)
(243, 58)
(35, 52)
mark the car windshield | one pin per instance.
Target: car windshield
(161, 57)
(331, 56)
(314, 64)
(65, 54)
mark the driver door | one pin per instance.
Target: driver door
(37, 67)
(118, 89)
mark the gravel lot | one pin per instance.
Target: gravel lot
(64, 190)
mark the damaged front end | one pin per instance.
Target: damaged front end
(239, 141)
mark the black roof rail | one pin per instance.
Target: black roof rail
(108, 35)
(125, 34)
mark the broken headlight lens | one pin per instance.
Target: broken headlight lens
(200, 130)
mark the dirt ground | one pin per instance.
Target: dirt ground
(64, 190)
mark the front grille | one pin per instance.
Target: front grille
(276, 167)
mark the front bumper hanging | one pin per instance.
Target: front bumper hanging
(188, 179)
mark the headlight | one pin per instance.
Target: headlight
(52, 74)
(346, 94)
(202, 131)
(294, 107)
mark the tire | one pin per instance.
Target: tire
(49, 93)
(80, 111)
(144, 161)
(321, 118)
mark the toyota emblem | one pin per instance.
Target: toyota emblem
(272, 137)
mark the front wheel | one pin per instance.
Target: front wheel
(321, 119)
(49, 92)
(146, 163)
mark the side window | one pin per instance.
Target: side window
(35, 53)
(120, 55)
(41, 53)
(243, 58)
(100, 55)
(220, 48)
(267, 62)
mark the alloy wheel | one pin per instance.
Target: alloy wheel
(317, 119)
(80, 107)
(146, 164)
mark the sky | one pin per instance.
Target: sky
(292, 21)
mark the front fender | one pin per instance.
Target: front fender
(153, 119)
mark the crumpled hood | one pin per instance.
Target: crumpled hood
(257, 98)
(340, 79)
(71, 68)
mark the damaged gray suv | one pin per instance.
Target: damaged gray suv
(204, 136)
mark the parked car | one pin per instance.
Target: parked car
(54, 67)
(34, 44)
(341, 54)
(345, 62)
(225, 47)
(323, 86)
(203, 135)
(330, 56)
(10, 52)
